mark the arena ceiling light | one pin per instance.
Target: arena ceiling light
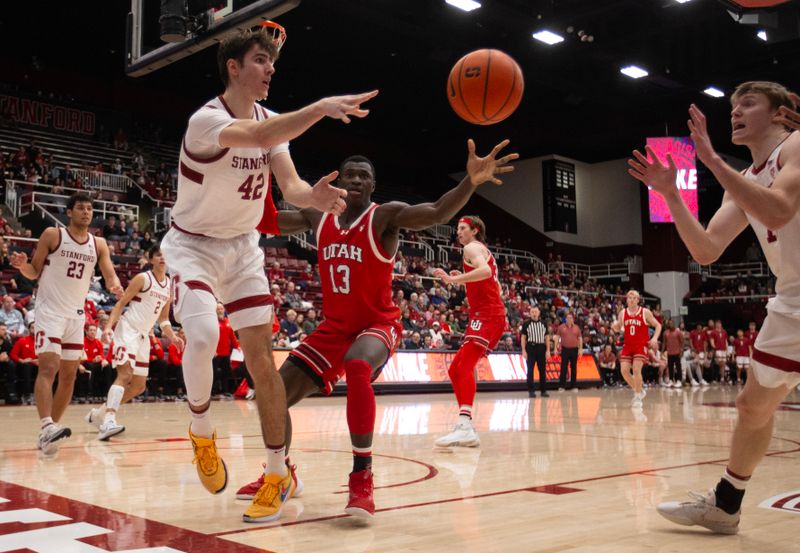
(466, 5)
(714, 92)
(762, 35)
(548, 37)
(634, 72)
(682, 1)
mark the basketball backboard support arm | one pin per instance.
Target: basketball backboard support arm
(137, 64)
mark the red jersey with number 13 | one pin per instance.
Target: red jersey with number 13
(484, 296)
(636, 330)
(355, 274)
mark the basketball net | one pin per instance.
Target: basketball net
(274, 30)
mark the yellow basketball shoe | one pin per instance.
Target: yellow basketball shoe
(210, 467)
(270, 498)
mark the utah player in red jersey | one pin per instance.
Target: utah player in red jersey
(635, 321)
(362, 326)
(487, 320)
(719, 342)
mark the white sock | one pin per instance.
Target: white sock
(276, 461)
(115, 393)
(46, 421)
(738, 482)
(201, 424)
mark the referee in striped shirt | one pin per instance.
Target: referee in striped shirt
(536, 350)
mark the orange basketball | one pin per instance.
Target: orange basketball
(485, 87)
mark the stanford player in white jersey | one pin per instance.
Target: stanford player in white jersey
(767, 197)
(147, 298)
(64, 264)
(230, 146)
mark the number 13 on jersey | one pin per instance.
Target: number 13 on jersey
(343, 274)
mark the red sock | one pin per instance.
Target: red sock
(360, 397)
(462, 372)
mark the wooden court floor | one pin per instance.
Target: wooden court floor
(574, 472)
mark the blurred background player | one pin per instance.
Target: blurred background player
(64, 263)
(634, 322)
(361, 329)
(487, 321)
(147, 299)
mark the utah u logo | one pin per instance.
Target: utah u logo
(475, 325)
(472, 72)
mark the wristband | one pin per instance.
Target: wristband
(162, 324)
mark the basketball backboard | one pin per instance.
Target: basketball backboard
(146, 52)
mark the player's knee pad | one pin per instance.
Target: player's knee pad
(360, 396)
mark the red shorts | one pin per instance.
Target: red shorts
(321, 354)
(634, 351)
(485, 332)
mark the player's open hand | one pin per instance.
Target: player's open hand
(118, 291)
(649, 170)
(178, 343)
(789, 117)
(341, 107)
(442, 274)
(699, 135)
(326, 197)
(18, 259)
(482, 169)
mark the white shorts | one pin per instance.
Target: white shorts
(231, 270)
(131, 346)
(701, 356)
(776, 353)
(58, 335)
(742, 361)
(720, 355)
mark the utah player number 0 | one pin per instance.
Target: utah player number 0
(344, 287)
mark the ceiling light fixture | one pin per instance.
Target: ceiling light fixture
(714, 92)
(466, 5)
(548, 37)
(634, 72)
(762, 35)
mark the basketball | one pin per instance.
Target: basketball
(485, 87)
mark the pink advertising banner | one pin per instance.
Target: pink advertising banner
(682, 150)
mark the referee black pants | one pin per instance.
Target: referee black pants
(536, 356)
(569, 356)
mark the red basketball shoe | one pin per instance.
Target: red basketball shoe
(249, 491)
(361, 503)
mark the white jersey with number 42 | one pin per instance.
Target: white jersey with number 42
(781, 247)
(66, 276)
(146, 306)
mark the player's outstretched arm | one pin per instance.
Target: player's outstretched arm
(246, 133)
(774, 206)
(705, 245)
(113, 284)
(295, 222)
(479, 171)
(475, 255)
(48, 242)
(323, 196)
(135, 286)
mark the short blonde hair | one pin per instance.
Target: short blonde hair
(776, 93)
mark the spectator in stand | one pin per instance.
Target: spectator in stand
(222, 360)
(21, 284)
(116, 167)
(276, 274)
(310, 323)
(23, 354)
(147, 241)
(413, 343)
(607, 360)
(507, 344)
(438, 294)
(673, 347)
(277, 297)
(743, 348)
(96, 362)
(120, 139)
(400, 264)
(409, 326)
(292, 299)
(90, 310)
(570, 339)
(289, 325)
(281, 340)
(437, 338)
(110, 229)
(8, 368)
(12, 318)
